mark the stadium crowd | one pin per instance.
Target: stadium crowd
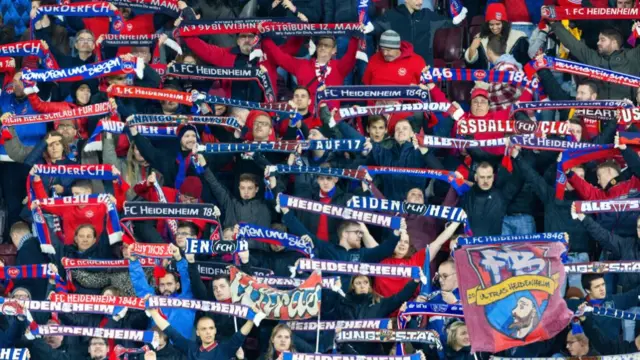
(509, 189)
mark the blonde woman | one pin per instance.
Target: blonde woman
(458, 343)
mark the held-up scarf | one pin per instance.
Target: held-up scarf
(118, 301)
(270, 28)
(13, 354)
(514, 78)
(118, 334)
(143, 210)
(606, 206)
(560, 237)
(341, 324)
(283, 282)
(348, 145)
(172, 223)
(139, 92)
(629, 138)
(142, 40)
(117, 127)
(28, 48)
(241, 311)
(350, 174)
(352, 112)
(206, 246)
(538, 143)
(452, 143)
(392, 222)
(87, 71)
(281, 109)
(474, 126)
(591, 72)
(71, 114)
(610, 312)
(556, 13)
(156, 251)
(599, 267)
(424, 308)
(120, 350)
(205, 72)
(34, 271)
(11, 307)
(605, 105)
(168, 7)
(402, 336)
(458, 184)
(628, 116)
(302, 356)
(113, 223)
(154, 119)
(571, 159)
(439, 211)
(80, 264)
(362, 92)
(85, 10)
(351, 268)
(235, 26)
(275, 237)
(94, 172)
(209, 270)
(67, 308)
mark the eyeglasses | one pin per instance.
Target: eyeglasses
(84, 40)
(357, 232)
(444, 277)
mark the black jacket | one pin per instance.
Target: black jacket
(462, 354)
(418, 28)
(30, 253)
(336, 11)
(603, 344)
(168, 352)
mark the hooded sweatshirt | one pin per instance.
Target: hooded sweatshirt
(405, 70)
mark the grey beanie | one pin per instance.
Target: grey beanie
(390, 40)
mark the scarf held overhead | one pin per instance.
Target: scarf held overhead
(571, 159)
(154, 119)
(451, 143)
(600, 267)
(87, 71)
(83, 9)
(362, 92)
(458, 184)
(339, 324)
(350, 268)
(591, 72)
(347, 145)
(556, 13)
(302, 356)
(209, 270)
(607, 206)
(475, 126)
(515, 78)
(401, 336)
(126, 91)
(360, 111)
(28, 48)
(206, 246)
(275, 237)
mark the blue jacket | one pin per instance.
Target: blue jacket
(180, 319)
(29, 135)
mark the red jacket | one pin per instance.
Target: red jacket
(305, 69)
(223, 57)
(405, 70)
(44, 107)
(615, 189)
(74, 216)
(148, 192)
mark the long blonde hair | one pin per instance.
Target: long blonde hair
(133, 173)
(452, 333)
(271, 351)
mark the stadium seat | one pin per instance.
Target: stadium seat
(477, 20)
(453, 44)
(460, 91)
(8, 254)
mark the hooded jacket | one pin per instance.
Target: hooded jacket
(405, 70)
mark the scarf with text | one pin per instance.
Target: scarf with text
(29, 48)
(475, 126)
(539, 143)
(514, 78)
(599, 267)
(67, 308)
(117, 334)
(217, 27)
(339, 324)
(154, 119)
(87, 71)
(118, 301)
(353, 112)
(425, 308)
(172, 223)
(120, 350)
(560, 237)
(302, 356)
(571, 159)
(452, 143)
(351, 268)
(141, 40)
(606, 206)
(117, 127)
(347, 145)
(458, 184)
(113, 223)
(71, 114)
(392, 222)
(329, 283)
(362, 92)
(167, 7)
(402, 336)
(209, 270)
(143, 210)
(605, 106)
(628, 116)
(271, 28)
(84, 10)
(275, 237)
(34, 271)
(237, 310)
(156, 251)
(14, 354)
(591, 72)
(11, 307)
(93, 172)
(556, 13)
(138, 92)
(210, 247)
(350, 174)
(205, 72)
(281, 109)
(439, 211)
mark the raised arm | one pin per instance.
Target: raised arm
(177, 340)
(284, 60)
(608, 240)
(348, 60)
(577, 48)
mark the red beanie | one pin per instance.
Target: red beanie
(191, 186)
(496, 11)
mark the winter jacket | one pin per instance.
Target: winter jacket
(169, 352)
(405, 70)
(418, 28)
(40, 350)
(462, 354)
(557, 213)
(604, 344)
(624, 61)
(305, 69)
(194, 351)
(180, 319)
(29, 253)
(517, 45)
(336, 11)
(395, 187)
(280, 262)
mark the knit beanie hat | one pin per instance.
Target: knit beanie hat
(390, 40)
(496, 11)
(191, 186)
(183, 128)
